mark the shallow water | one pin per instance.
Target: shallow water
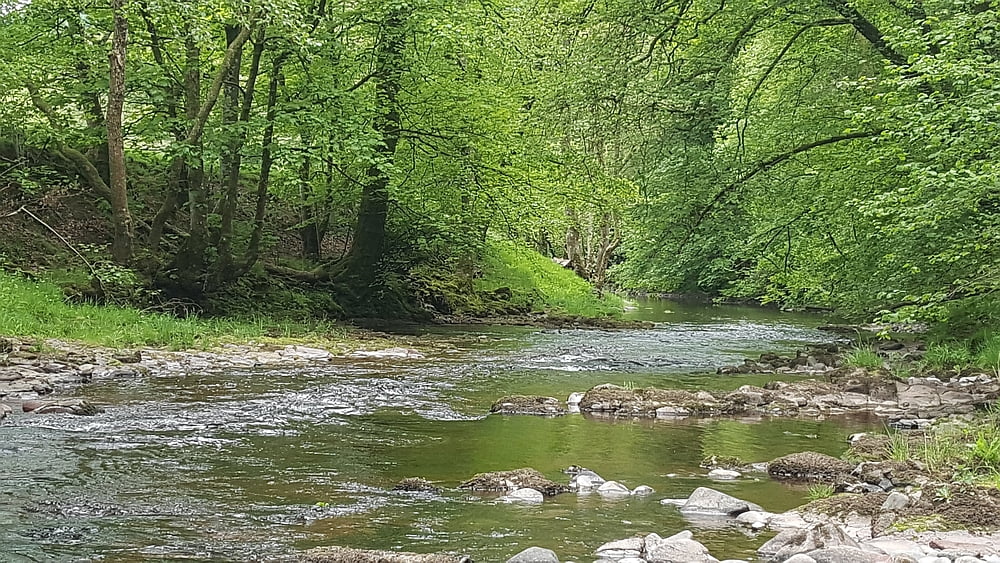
(253, 465)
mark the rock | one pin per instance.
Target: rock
(525, 495)
(642, 490)
(847, 554)
(794, 541)
(631, 547)
(809, 466)
(348, 555)
(613, 488)
(679, 548)
(917, 397)
(968, 559)
(895, 547)
(586, 479)
(388, 353)
(5, 411)
(800, 558)
(528, 404)
(754, 518)
(709, 501)
(132, 357)
(724, 474)
(619, 401)
(535, 555)
(895, 501)
(416, 484)
(61, 406)
(505, 481)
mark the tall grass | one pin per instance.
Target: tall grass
(539, 284)
(864, 357)
(37, 309)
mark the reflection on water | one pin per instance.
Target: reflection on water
(255, 464)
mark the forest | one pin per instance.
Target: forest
(378, 156)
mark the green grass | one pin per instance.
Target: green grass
(538, 284)
(955, 453)
(38, 309)
(864, 357)
(820, 491)
(948, 355)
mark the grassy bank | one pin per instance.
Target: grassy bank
(538, 284)
(39, 309)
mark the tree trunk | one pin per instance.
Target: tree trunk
(308, 231)
(121, 247)
(369, 234)
(574, 245)
(266, 161)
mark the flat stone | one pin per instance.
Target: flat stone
(535, 555)
(895, 501)
(630, 547)
(724, 474)
(794, 541)
(847, 554)
(388, 353)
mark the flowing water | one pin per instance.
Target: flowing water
(255, 464)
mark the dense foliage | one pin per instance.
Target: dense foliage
(837, 153)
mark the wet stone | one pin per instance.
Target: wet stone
(528, 405)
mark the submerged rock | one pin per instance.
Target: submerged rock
(809, 466)
(416, 484)
(388, 353)
(349, 555)
(507, 481)
(79, 407)
(528, 404)
(535, 555)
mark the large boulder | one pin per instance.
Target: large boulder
(709, 501)
(794, 541)
(507, 481)
(809, 466)
(528, 404)
(535, 555)
(620, 401)
(337, 554)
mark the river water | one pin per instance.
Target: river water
(254, 464)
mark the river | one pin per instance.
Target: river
(254, 464)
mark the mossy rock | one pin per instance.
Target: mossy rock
(529, 405)
(809, 466)
(506, 481)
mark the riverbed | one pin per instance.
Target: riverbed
(258, 464)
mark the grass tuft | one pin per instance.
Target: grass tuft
(864, 357)
(820, 491)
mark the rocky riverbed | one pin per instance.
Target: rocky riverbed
(884, 511)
